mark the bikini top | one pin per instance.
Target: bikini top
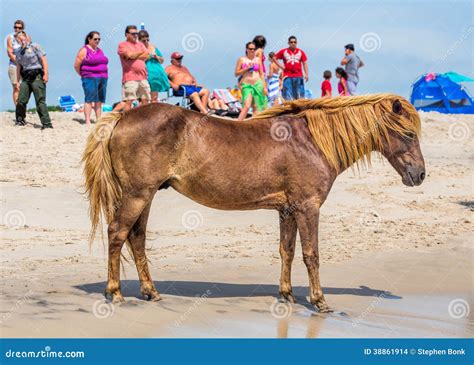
(256, 66)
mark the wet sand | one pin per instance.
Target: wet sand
(396, 261)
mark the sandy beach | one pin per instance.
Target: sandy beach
(396, 261)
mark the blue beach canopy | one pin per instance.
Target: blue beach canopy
(442, 94)
(455, 77)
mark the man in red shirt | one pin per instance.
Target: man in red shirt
(133, 55)
(295, 70)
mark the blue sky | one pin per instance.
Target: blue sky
(398, 40)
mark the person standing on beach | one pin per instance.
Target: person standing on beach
(274, 82)
(326, 88)
(342, 85)
(351, 63)
(32, 69)
(260, 43)
(250, 71)
(91, 65)
(133, 55)
(156, 73)
(12, 46)
(295, 70)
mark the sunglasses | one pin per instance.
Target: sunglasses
(96, 39)
(251, 49)
(16, 27)
(145, 39)
(134, 33)
(293, 42)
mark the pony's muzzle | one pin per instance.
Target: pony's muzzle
(414, 176)
(422, 176)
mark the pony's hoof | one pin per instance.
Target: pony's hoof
(152, 297)
(286, 298)
(108, 296)
(324, 308)
(117, 299)
(114, 298)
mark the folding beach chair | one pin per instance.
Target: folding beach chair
(66, 103)
(184, 102)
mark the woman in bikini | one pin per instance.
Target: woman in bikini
(250, 71)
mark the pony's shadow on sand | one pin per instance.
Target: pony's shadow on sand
(131, 288)
(467, 204)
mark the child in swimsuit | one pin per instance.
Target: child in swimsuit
(274, 83)
(342, 85)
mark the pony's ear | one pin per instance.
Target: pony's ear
(397, 107)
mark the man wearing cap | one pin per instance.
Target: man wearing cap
(32, 70)
(181, 80)
(351, 63)
(133, 55)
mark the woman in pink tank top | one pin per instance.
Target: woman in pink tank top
(91, 65)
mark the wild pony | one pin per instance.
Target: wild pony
(286, 158)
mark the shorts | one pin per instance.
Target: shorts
(136, 89)
(352, 86)
(12, 74)
(95, 89)
(190, 89)
(293, 88)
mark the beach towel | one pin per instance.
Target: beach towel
(256, 90)
(273, 87)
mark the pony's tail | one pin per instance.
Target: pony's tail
(102, 184)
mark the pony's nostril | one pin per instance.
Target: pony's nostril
(422, 176)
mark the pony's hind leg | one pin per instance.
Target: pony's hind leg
(287, 252)
(137, 238)
(128, 213)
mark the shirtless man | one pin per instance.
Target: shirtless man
(180, 76)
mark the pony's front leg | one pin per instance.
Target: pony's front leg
(307, 218)
(137, 238)
(287, 252)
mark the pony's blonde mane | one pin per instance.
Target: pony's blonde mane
(348, 129)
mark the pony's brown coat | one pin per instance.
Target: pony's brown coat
(241, 165)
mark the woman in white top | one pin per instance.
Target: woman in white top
(12, 46)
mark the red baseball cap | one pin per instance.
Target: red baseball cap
(176, 55)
